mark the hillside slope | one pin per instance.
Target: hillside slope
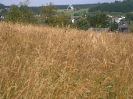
(52, 63)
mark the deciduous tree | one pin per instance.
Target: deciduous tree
(82, 23)
(21, 13)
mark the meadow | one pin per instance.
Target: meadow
(70, 12)
(40, 62)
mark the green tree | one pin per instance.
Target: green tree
(99, 20)
(48, 14)
(13, 14)
(129, 16)
(52, 18)
(117, 6)
(82, 23)
(63, 20)
(131, 27)
(27, 15)
(21, 14)
(113, 26)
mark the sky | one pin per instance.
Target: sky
(55, 2)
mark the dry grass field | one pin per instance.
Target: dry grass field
(39, 62)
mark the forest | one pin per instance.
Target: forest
(117, 6)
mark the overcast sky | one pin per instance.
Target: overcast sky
(56, 2)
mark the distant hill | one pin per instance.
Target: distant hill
(3, 9)
(36, 9)
(76, 6)
(117, 6)
(62, 7)
(2, 6)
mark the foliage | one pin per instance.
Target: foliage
(13, 15)
(131, 27)
(52, 18)
(82, 23)
(99, 20)
(63, 20)
(129, 16)
(36, 10)
(83, 13)
(27, 15)
(20, 14)
(48, 14)
(113, 26)
(117, 6)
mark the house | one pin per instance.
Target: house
(1, 17)
(71, 7)
(73, 18)
(124, 28)
(109, 16)
(118, 18)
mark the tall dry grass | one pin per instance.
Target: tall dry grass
(52, 63)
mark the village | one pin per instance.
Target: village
(115, 23)
(123, 25)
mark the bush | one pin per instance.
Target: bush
(20, 14)
(82, 23)
(131, 27)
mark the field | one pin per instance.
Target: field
(70, 12)
(38, 62)
(61, 10)
(77, 11)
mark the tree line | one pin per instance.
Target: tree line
(48, 15)
(117, 6)
(37, 9)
